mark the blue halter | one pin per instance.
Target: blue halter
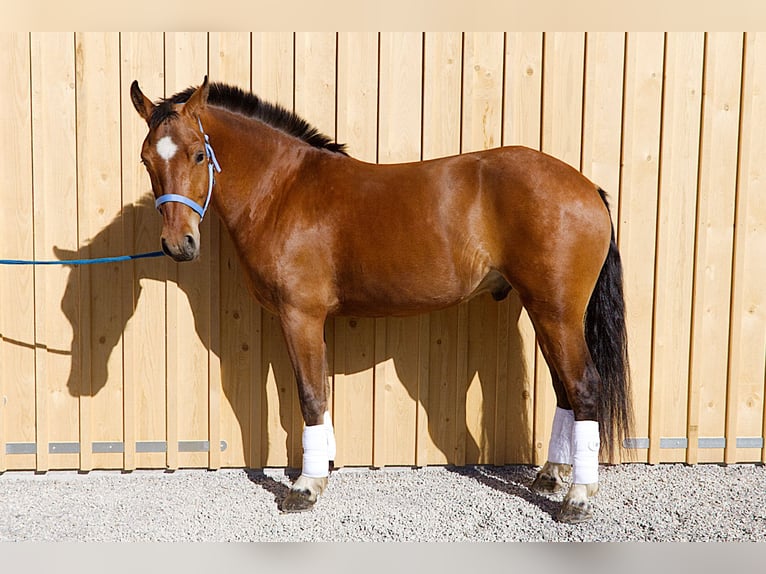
(212, 163)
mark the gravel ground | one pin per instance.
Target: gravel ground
(437, 504)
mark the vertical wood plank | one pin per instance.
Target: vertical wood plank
(442, 99)
(17, 296)
(315, 59)
(55, 214)
(355, 337)
(273, 80)
(523, 89)
(690, 229)
(638, 210)
(100, 235)
(315, 97)
(564, 62)
(675, 241)
(189, 312)
(602, 123)
(714, 245)
(521, 126)
(602, 115)
(483, 70)
(746, 405)
(145, 280)
(232, 374)
(397, 354)
(274, 66)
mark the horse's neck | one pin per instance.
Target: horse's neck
(256, 162)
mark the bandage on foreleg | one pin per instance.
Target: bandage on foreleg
(315, 460)
(318, 448)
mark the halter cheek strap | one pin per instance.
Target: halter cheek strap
(212, 164)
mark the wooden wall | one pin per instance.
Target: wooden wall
(151, 364)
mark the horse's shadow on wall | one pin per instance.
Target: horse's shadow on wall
(106, 321)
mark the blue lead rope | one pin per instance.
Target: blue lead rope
(213, 166)
(82, 261)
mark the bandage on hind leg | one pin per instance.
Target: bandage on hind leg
(585, 442)
(330, 436)
(560, 445)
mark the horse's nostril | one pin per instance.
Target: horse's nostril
(190, 243)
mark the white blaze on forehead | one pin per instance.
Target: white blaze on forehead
(167, 148)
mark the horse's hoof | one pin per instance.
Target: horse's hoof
(574, 512)
(546, 484)
(550, 478)
(577, 506)
(298, 501)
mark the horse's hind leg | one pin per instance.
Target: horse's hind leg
(304, 335)
(562, 341)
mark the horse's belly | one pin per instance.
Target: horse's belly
(416, 294)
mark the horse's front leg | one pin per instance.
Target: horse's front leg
(304, 334)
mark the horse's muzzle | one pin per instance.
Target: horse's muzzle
(187, 250)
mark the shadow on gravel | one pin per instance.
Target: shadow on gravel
(510, 480)
(276, 488)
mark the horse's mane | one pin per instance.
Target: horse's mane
(248, 104)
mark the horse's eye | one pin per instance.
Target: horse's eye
(200, 157)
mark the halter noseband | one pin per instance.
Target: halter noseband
(212, 163)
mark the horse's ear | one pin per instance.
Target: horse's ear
(143, 105)
(198, 99)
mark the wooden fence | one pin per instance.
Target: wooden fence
(151, 364)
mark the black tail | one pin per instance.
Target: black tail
(607, 340)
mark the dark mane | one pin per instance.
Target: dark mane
(248, 104)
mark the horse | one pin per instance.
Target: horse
(321, 234)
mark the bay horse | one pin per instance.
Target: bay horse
(321, 234)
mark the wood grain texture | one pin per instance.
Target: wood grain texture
(676, 215)
(189, 293)
(397, 352)
(716, 201)
(17, 297)
(233, 381)
(747, 338)
(144, 291)
(642, 125)
(522, 121)
(354, 350)
(483, 72)
(54, 145)
(438, 421)
(99, 201)
(668, 124)
(564, 65)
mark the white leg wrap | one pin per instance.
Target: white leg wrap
(586, 442)
(330, 436)
(560, 445)
(315, 461)
(318, 448)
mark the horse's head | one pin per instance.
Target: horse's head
(180, 164)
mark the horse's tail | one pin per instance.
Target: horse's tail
(606, 335)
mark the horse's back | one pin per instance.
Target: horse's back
(426, 235)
